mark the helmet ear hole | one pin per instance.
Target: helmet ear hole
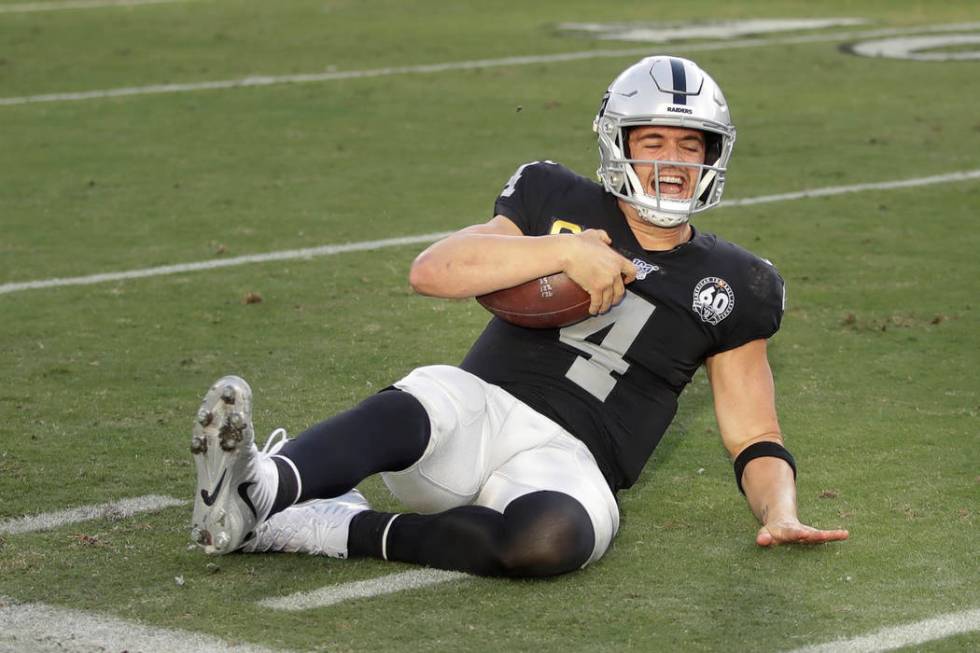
(712, 148)
(626, 141)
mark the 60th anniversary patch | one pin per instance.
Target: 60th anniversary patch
(714, 299)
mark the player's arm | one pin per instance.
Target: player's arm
(745, 406)
(494, 255)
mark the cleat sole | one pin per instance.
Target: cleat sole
(221, 440)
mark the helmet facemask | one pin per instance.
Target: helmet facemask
(621, 179)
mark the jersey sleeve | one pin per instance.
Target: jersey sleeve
(759, 306)
(525, 197)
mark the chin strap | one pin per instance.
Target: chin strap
(706, 182)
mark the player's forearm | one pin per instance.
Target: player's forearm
(770, 489)
(469, 264)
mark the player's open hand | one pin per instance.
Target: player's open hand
(793, 532)
(599, 269)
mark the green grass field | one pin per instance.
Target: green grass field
(876, 364)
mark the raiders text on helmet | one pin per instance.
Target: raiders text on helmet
(673, 92)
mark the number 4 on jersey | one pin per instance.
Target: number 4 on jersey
(594, 373)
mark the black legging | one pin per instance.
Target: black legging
(538, 534)
(386, 432)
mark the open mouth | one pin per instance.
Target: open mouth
(672, 185)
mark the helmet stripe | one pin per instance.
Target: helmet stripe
(680, 80)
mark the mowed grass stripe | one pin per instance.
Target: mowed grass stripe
(887, 639)
(333, 594)
(36, 626)
(112, 510)
(28, 7)
(422, 69)
(330, 250)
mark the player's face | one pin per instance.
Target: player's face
(657, 143)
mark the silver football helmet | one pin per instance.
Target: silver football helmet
(669, 91)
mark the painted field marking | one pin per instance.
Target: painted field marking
(40, 627)
(332, 594)
(965, 175)
(113, 510)
(269, 80)
(887, 639)
(330, 250)
(285, 255)
(26, 7)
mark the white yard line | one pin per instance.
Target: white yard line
(330, 250)
(286, 255)
(389, 584)
(964, 175)
(114, 509)
(887, 639)
(26, 7)
(268, 80)
(36, 627)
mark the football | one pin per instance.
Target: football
(550, 302)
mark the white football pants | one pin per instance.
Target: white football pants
(487, 448)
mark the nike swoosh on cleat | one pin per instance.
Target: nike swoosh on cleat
(243, 493)
(209, 499)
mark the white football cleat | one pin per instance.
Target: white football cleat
(317, 527)
(236, 483)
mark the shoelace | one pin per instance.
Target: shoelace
(272, 445)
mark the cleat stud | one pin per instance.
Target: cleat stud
(228, 444)
(203, 537)
(204, 417)
(198, 445)
(236, 421)
(228, 394)
(222, 540)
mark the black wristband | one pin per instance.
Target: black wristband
(761, 450)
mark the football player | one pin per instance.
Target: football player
(509, 463)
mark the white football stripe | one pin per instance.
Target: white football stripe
(37, 627)
(285, 255)
(390, 584)
(965, 175)
(330, 250)
(26, 7)
(887, 639)
(268, 80)
(113, 509)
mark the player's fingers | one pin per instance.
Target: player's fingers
(618, 290)
(807, 535)
(628, 271)
(595, 303)
(828, 536)
(764, 537)
(607, 299)
(603, 236)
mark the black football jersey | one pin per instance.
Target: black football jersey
(613, 379)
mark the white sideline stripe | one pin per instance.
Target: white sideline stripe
(330, 250)
(965, 175)
(40, 627)
(332, 594)
(268, 80)
(78, 4)
(114, 509)
(886, 639)
(286, 255)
